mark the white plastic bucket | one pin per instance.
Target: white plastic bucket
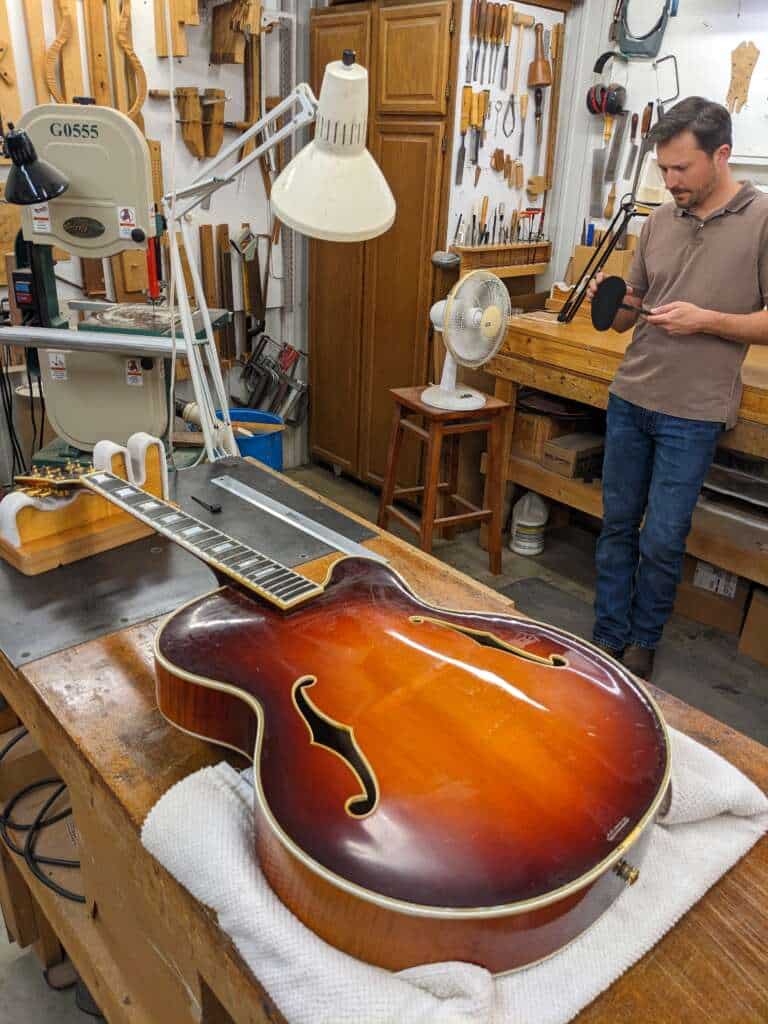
(529, 520)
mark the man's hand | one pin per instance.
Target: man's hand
(630, 298)
(625, 318)
(593, 286)
(680, 318)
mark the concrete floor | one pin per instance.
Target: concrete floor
(696, 663)
(24, 996)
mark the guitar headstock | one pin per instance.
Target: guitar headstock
(52, 481)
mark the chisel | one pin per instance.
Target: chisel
(473, 16)
(523, 115)
(487, 27)
(477, 125)
(646, 146)
(485, 112)
(508, 18)
(538, 94)
(633, 146)
(596, 188)
(466, 110)
(483, 219)
(482, 12)
(498, 32)
(617, 142)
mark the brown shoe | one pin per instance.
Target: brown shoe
(617, 653)
(639, 660)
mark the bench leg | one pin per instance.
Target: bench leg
(431, 482)
(390, 476)
(450, 506)
(506, 390)
(494, 491)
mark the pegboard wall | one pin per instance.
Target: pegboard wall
(492, 183)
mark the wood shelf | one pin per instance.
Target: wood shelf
(524, 270)
(504, 260)
(733, 541)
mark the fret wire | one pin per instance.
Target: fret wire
(212, 536)
(278, 583)
(266, 570)
(272, 579)
(287, 589)
(156, 514)
(248, 563)
(210, 542)
(236, 556)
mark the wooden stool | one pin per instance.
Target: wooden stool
(450, 424)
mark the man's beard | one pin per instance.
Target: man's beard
(692, 199)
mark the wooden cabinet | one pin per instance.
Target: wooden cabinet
(369, 303)
(335, 31)
(336, 280)
(413, 49)
(398, 279)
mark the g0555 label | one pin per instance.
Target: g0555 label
(83, 227)
(74, 130)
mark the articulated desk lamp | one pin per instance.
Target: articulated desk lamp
(332, 190)
(610, 296)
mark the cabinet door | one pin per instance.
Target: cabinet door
(413, 58)
(398, 280)
(336, 280)
(331, 32)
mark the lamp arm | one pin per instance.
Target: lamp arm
(218, 436)
(600, 257)
(204, 184)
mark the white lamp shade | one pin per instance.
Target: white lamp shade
(333, 188)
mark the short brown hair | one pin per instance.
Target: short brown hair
(709, 122)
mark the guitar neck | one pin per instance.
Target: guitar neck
(264, 576)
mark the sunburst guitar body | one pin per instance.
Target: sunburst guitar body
(429, 784)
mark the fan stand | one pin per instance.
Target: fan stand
(446, 395)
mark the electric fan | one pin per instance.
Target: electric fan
(472, 321)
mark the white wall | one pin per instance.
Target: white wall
(702, 37)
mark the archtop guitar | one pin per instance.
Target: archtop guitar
(429, 784)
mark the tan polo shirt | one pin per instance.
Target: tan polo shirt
(720, 263)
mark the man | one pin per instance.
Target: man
(701, 269)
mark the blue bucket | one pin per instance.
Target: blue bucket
(267, 448)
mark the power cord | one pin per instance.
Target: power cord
(32, 859)
(6, 395)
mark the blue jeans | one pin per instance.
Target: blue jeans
(654, 466)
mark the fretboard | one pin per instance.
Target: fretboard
(253, 570)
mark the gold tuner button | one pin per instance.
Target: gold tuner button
(626, 872)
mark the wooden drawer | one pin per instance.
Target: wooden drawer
(413, 58)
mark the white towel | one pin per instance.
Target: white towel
(201, 831)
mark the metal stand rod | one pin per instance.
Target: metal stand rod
(600, 257)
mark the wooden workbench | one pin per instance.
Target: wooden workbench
(576, 361)
(150, 953)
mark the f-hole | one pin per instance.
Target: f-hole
(340, 740)
(485, 639)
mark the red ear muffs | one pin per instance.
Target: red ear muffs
(607, 99)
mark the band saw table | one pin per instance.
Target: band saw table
(148, 951)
